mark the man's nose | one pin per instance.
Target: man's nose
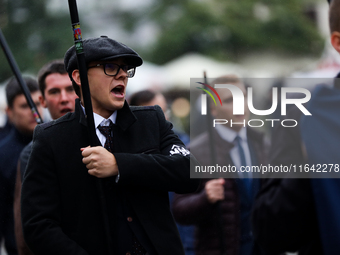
(64, 96)
(121, 74)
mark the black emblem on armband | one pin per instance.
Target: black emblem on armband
(179, 150)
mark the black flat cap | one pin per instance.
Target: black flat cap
(101, 48)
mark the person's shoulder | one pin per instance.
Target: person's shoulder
(27, 149)
(254, 134)
(10, 146)
(4, 140)
(199, 141)
(56, 123)
(8, 140)
(147, 111)
(144, 108)
(26, 152)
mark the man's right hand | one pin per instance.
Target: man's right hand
(215, 190)
(100, 162)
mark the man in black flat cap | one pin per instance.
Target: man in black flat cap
(142, 160)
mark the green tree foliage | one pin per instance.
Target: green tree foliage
(227, 29)
(33, 35)
(218, 28)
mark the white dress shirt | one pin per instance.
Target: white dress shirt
(101, 121)
(229, 135)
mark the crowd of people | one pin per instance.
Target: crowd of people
(131, 191)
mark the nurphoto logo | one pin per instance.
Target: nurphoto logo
(239, 103)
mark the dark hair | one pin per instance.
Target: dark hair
(54, 66)
(231, 78)
(334, 16)
(13, 89)
(142, 97)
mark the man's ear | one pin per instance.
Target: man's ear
(212, 110)
(9, 113)
(42, 101)
(76, 76)
(335, 40)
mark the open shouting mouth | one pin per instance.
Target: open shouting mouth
(118, 91)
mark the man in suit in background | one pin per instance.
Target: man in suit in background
(221, 208)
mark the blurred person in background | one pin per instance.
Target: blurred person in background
(302, 214)
(21, 116)
(220, 209)
(150, 98)
(6, 129)
(58, 96)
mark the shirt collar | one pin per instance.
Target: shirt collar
(229, 135)
(101, 121)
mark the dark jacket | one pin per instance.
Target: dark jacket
(10, 148)
(284, 217)
(302, 214)
(60, 204)
(6, 129)
(23, 159)
(195, 208)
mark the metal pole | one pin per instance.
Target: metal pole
(18, 75)
(78, 42)
(213, 162)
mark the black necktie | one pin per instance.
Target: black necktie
(246, 176)
(240, 151)
(107, 132)
(137, 248)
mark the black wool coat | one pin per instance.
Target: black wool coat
(61, 211)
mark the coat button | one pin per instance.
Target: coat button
(129, 219)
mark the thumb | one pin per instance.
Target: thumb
(221, 181)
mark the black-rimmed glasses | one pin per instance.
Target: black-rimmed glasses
(111, 69)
